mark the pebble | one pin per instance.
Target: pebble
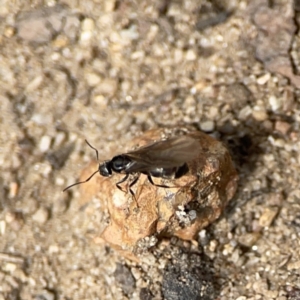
(275, 199)
(249, 239)
(145, 294)
(9, 32)
(30, 207)
(38, 25)
(282, 127)
(107, 87)
(129, 34)
(190, 55)
(263, 79)
(275, 103)
(178, 55)
(293, 266)
(41, 119)
(207, 126)
(45, 143)
(13, 189)
(109, 5)
(34, 84)
(259, 115)
(14, 220)
(100, 101)
(260, 286)
(180, 281)
(45, 295)
(53, 249)
(41, 216)
(10, 217)
(137, 274)
(2, 227)
(268, 216)
(245, 112)
(60, 42)
(59, 138)
(10, 267)
(92, 79)
(86, 36)
(88, 24)
(61, 205)
(125, 278)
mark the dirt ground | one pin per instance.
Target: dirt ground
(108, 70)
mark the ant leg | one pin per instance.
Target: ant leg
(121, 181)
(158, 185)
(132, 183)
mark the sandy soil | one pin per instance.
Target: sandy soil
(108, 70)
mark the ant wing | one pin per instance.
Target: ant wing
(173, 152)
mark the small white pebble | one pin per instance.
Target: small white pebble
(2, 227)
(53, 249)
(129, 34)
(34, 84)
(263, 79)
(86, 36)
(191, 55)
(88, 25)
(275, 103)
(207, 126)
(45, 143)
(9, 267)
(59, 138)
(245, 112)
(92, 79)
(41, 216)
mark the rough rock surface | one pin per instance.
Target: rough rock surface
(189, 204)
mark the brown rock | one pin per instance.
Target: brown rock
(41, 24)
(282, 127)
(189, 204)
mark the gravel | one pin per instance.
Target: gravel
(106, 71)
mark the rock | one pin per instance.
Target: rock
(189, 204)
(42, 24)
(45, 295)
(274, 40)
(282, 127)
(249, 239)
(14, 219)
(125, 279)
(207, 126)
(145, 294)
(92, 79)
(268, 216)
(41, 216)
(188, 278)
(45, 143)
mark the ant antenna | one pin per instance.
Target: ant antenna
(93, 149)
(68, 187)
(80, 182)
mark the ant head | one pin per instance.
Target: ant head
(105, 169)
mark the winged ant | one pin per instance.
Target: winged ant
(164, 159)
